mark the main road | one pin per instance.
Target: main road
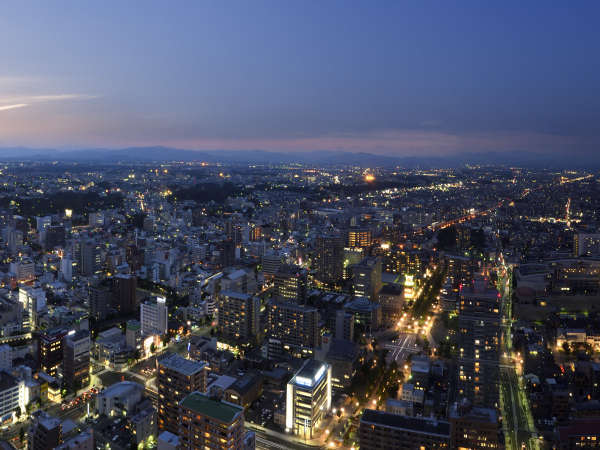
(518, 424)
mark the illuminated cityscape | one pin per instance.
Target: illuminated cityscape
(299, 225)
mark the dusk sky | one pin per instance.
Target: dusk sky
(396, 78)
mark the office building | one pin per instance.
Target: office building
(76, 359)
(291, 284)
(99, 300)
(271, 263)
(119, 399)
(308, 398)
(209, 423)
(352, 256)
(23, 270)
(366, 277)
(383, 430)
(50, 350)
(329, 258)
(344, 325)
(33, 300)
(154, 316)
(6, 357)
(238, 316)
(176, 378)
(90, 262)
(586, 244)
(478, 340)
(359, 237)
(66, 269)
(12, 396)
(45, 432)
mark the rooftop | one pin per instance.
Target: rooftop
(178, 363)
(310, 373)
(216, 409)
(421, 425)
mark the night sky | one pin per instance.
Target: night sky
(397, 78)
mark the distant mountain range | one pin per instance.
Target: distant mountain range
(323, 158)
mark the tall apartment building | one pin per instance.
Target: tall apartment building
(124, 293)
(176, 378)
(154, 316)
(367, 278)
(209, 423)
(291, 284)
(479, 336)
(90, 261)
(379, 430)
(76, 359)
(308, 398)
(99, 301)
(238, 316)
(474, 427)
(292, 328)
(329, 258)
(344, 325)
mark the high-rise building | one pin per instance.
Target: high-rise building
(99, 299)
(271, 263)
(344, 325)
(76, 359)
(66, 269)
(125, 293)
(379, 429)
(50, 350)
(291, 284)
(226, 253)
(478, 339)
(23, 269)
(12, 395)
(367, 278)
(474, 427)
(238, 316)
(209, 423)
(154, 316)
(292, 328)
(45, 432)
(352, 256)
(6, 357)
(90, 261)
(359, 237)
(586, 244)
(176, 378)
(308, 398)
(329, 258)
(33, 300)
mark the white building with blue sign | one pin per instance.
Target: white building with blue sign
(308, 398)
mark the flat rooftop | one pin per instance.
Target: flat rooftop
(310, 373)
(180, 364)
(216, 409)
(413, 424)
